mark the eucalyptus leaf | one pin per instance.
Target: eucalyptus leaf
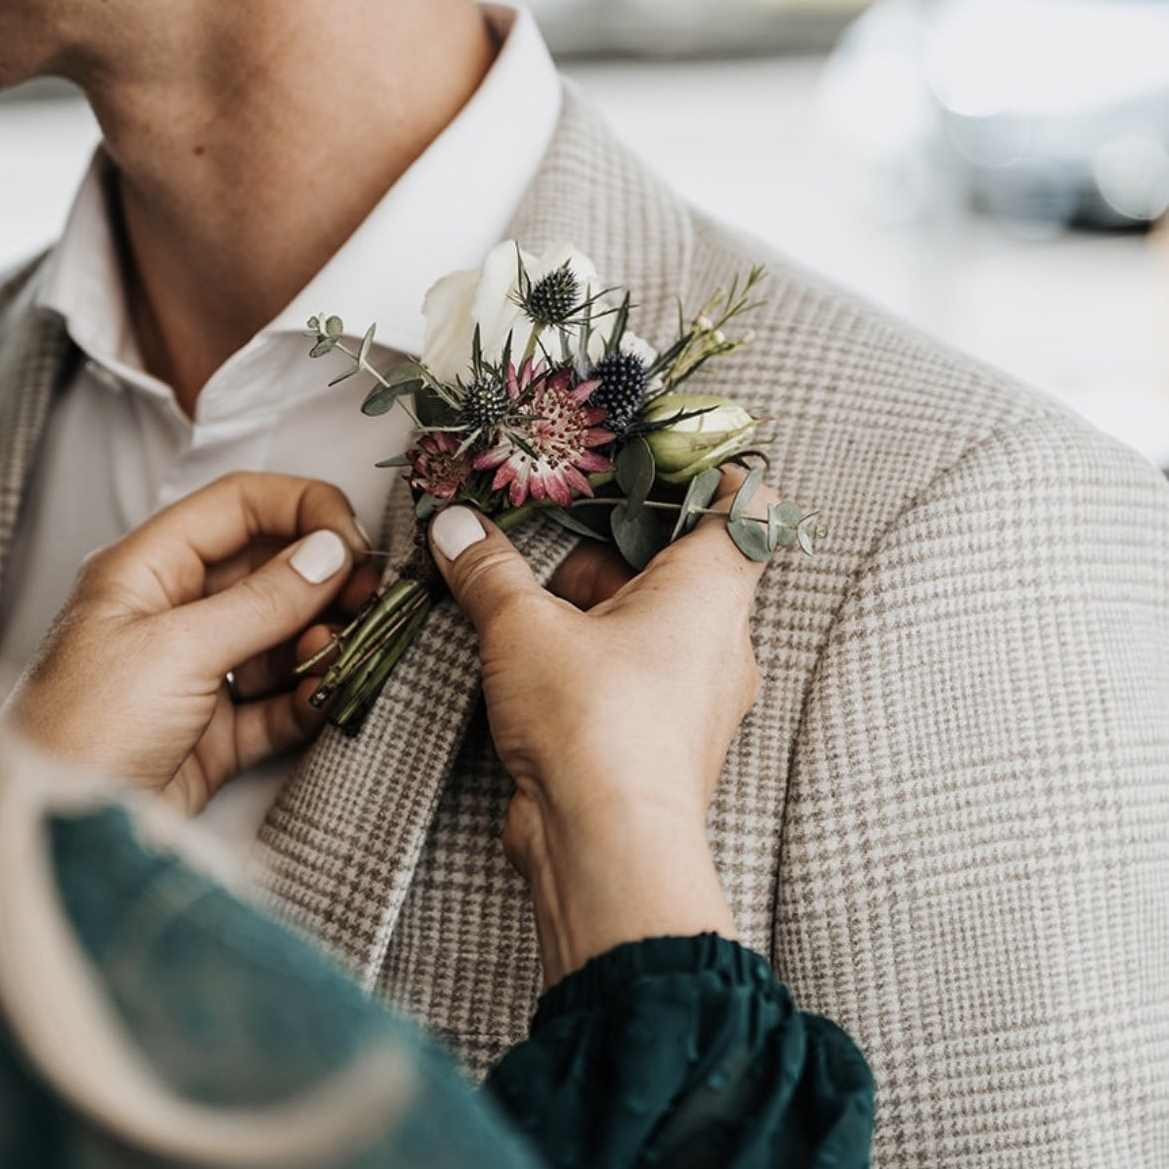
(334, 326)
(366, 344)
(426, 506)
(806, 542)
(787, 536)
(345, 376)
(750, 538)
(394, 461)
(789, 514)
(638, 535)
(774, 526)
(699, 493)
(746, 493)
(635, 472)
(566, 519)
(432, 410)
(323, 346)
(380, 399)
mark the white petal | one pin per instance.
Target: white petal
(446, 351)
(555, 257)
(494, 307)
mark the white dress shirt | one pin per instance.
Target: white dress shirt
(119, 447)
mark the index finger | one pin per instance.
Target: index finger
(166, 559)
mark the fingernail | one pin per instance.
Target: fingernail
(319, 557)
(454, 530)
(362, 533)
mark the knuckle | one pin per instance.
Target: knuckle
(265, 601)
(475, 572)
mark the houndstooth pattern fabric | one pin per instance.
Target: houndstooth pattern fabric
(947, 818)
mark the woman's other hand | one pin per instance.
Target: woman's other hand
(613, 707)
(131, 679)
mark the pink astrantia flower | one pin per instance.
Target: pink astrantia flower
(562, 433)
(436, 466)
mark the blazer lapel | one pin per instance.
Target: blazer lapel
(340, 847)
(34, 353)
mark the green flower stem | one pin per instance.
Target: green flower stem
(357, 698)
(655, 503)
(385, 618)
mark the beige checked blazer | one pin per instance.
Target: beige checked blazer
(946, 820)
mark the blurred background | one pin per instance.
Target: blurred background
(995, 171)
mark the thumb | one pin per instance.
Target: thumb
(273, 604)
(479, 564)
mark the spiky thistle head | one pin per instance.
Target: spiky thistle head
(485, 404)
(623, 380)
(554, 298)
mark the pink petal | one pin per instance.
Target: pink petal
(597, 437)
(593, 415)
(576, 480)
(513, 388)
(518, 491)
(491, 458)
(584, 390)
(558, 488)
(539, 485)
(591, 461)
(505, 474)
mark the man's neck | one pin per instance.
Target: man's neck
(246, 155)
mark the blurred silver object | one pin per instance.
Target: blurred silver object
(1049, 111)
(689, 28)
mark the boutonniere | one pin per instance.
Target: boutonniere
(534, 396)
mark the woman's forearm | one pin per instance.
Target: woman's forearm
(620, 873)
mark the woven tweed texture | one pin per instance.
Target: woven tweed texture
(946, 820)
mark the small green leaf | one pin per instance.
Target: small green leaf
(567, 520)
(366, 344)
(323, 346)
(787, 536)
(806, 542)
(746, 493)
(314, 323)
(774, 526)
(394, 461)
(789, 514)
(638, 535)
(432, 410)
(750, 538)
(334, 326)
(341, 377)
(426, 506)
(699, 493)
(635, 472)
(381, 398)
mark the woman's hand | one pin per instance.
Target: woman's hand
(613, 710)
(130, 680)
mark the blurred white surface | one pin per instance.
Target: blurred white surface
(1085, 317)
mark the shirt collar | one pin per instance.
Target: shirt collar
(446, 212)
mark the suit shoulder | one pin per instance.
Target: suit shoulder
(864, 391)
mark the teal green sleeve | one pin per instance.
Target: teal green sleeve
(685, 1053)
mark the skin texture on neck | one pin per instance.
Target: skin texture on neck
(249, 141)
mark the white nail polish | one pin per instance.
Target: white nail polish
(455, 530)
(362, 532)
(319, 557)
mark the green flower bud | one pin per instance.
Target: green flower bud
(691, 445)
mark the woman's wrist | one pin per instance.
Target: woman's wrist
(614, 870)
